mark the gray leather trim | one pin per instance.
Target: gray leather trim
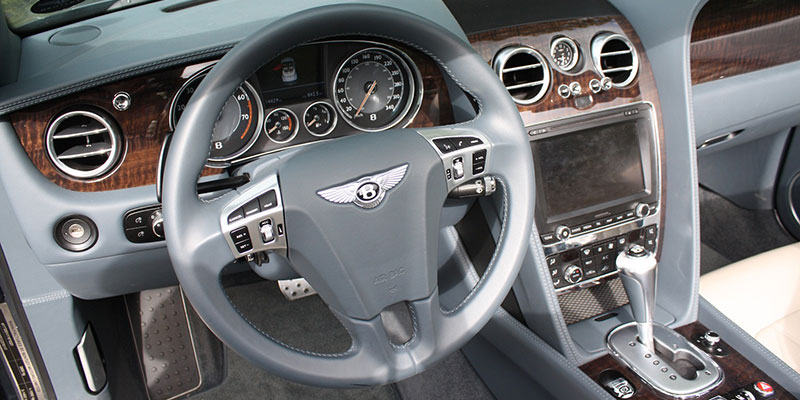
(749, 347)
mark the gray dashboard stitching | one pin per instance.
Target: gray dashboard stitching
(61, 294)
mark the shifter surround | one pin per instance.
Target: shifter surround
(657, 368)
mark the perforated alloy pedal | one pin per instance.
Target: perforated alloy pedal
(164, 340)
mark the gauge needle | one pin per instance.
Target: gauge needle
(313, 120)
(276, 126)
(369, 92)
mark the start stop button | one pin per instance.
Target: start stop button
(75, 233)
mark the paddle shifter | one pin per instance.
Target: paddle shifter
(637, 268)
(664, 359)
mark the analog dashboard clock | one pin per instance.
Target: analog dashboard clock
(564, 52)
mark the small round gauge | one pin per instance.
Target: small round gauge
(565, 53)
(237, 127)
(320, 118)
(281, 125)
(374, 89)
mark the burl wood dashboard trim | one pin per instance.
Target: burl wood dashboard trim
(737, 369)
(734, 37)
(145, 124)
(552, 106)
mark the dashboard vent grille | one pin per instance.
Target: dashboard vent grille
(615, 57)
(83, 144)
(524, 73)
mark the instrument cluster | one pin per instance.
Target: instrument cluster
(303, 95)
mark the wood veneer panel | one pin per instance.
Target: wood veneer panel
(733, 37)
(737, 369)
(539, 36)
(145, 124)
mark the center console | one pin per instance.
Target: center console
(599, 182)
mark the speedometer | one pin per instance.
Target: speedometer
(374, 89)
(238, 124)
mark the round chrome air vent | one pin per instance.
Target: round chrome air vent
(524, 73)
(615, 57)
(83, 144)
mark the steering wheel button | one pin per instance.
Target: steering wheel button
(268, 200)
(444, 145)
(240, 234)
(461, 142)
(458, 168)
(235, 216)
(267, 234)
(473, 141)
(251, 208)
(244, 246)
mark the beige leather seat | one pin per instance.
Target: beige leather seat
(762, 295)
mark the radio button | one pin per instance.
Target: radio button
(587, 227)
(629, 214)
(586, 251)
(597, 224)
(622, 241)
(576, 229)
(562, 232)
(610, 246)
(552, 261)
(642, 210)
(650, 232)
(608, 221)
(599, 249)
(548, 238)
(587, 262)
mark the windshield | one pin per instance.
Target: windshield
(26, 17)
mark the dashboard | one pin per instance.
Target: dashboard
(315, 92)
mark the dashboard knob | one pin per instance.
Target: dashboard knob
(157, 223)
(711, 338)
(562, 232)
(573, 274)
(642, 210)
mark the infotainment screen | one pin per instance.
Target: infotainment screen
(589, 167)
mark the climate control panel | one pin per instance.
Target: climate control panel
(596, 260)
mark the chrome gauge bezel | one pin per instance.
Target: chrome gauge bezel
(575, 51)
(415, 90)
(217, 162)
(333, 123)
(294, 131)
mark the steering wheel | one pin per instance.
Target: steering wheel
(357, 217)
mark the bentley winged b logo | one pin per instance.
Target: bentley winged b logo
(367, 192)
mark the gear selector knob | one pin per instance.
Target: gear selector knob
(637, 268)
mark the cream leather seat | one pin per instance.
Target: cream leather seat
(762, 295)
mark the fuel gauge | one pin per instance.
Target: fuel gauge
(320, 118)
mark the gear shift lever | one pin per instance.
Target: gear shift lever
(637, 268)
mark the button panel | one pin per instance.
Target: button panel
(464, 158)
(595, 260)
(137, 224)
(600, 223)
(254, 223)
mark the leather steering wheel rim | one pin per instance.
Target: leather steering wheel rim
(198, 248)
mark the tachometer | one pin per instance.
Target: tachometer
(238, 124)
(374, 89)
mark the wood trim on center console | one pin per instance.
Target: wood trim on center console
(737, 369)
